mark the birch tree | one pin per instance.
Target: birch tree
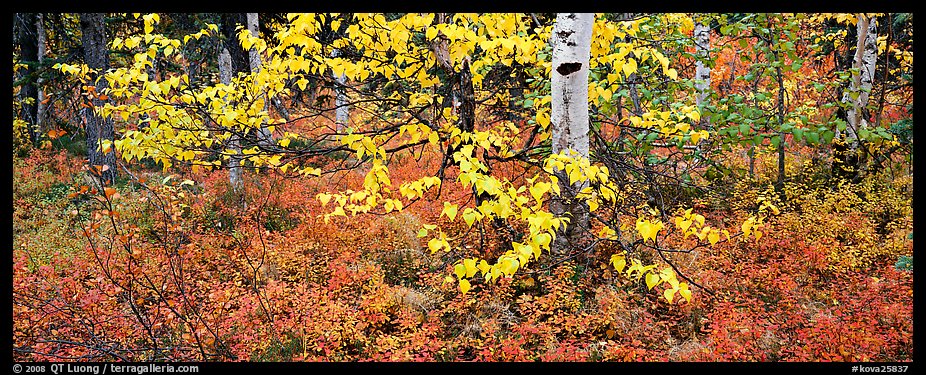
(342, 109)
(847, 159)
(571, 40)
(234, 142)
(702, 70)
(254, 61)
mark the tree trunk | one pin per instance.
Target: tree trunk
(254, 61)
(571, 40)
(240, 59)
(341, 109)
(96, 56)
(779, 185)
(234, 142)
(26, 37)
(702, 71)
(39, 82)
(847, 158)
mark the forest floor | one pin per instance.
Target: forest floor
(172, 270)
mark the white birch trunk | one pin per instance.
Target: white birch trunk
(866, 55)
(255, 64)
(571, 41)
(702, 71)
(342, 109)
(234, 142)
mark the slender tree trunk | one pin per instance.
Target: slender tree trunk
(341, 109)
(253, 21)
(240, 59)
(571, 40)
(96, 55)
(847, 158)
(235, 60)
(40, 116)
(26, 36)
(779, 186)
(462, 98)
(234, 142)
(702, 36)
(702, 71)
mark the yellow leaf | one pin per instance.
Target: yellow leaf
(592, 205)
(469, 216)
(470, 267)
(483, 267)
(542, 239)
(450, 210)
(747, 226)
(619, 262)
(758, 235)
(669, 294)
(630, 66)
(459, 270)
(684, 225)
(652, 280)
(713, 237)
(672, 73)
(434, 244)
(284, 142)
(701, 235)
(464, 286)
(686, 294)
(684, 291)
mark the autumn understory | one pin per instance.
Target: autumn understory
(275, 283)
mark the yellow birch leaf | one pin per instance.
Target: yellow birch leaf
(652, 280)
(470, 266)
(713, 237)
(459, 270)
(619, 262)
(686, 293)
(464, 286)
(450, 210)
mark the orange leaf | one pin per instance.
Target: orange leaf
(109, 192)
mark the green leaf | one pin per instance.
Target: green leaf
(757, 140)
(813, 137)
(841, 125)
